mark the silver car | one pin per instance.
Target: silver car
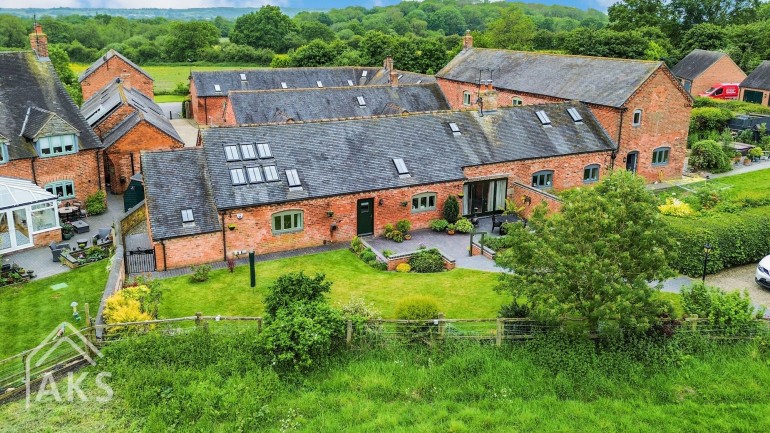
(762, 277)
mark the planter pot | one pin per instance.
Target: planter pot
(450, 232)
(746, 162)
(67, 236)
(231, 228)
(407, 237)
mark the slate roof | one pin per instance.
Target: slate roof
(178, 181)
(278, 106)
(342, 157)
(760, 78)
(103, 59)
(295, 78)
(104, 102)
(696, 63)
(597, 80)
(26, 82)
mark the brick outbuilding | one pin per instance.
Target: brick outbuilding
(113, 65)
(701, 69)
(639, 103)
(756, 87)
(128, 122)
(281, 187)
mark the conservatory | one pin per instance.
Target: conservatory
(26, 210)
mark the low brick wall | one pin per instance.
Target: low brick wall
(477, 249)
(114, 284)
(531, 197)
(396, 259)
(135, 216)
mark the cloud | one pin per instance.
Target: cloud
(137, 4)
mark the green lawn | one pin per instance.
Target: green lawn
(752, 184)
(460, 293)
(167, 77)
(29, 312)
(169, 98)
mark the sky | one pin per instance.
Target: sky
(183, 4)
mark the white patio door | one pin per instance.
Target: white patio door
(14, 230)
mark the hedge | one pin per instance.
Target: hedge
(737, 239)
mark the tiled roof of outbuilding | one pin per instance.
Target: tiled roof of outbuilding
(28, 84)
(596, 80)
(696, 63)
(339, 102)
(178, 181)
(760, 78)
(295, 78)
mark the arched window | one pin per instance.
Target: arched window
(660, 156)
(543, 179)
(516, 101)
(288, 221)
(591, 173)
(424, 201)
(466, 98)
(637, 120)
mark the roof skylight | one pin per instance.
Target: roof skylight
(401, 167)
(217, 88)
(237, 176)
(271, 173)
(283, 85)
(363, 74)
(350, 82)
(247, 150)
(319, 84)
(187, 216)
(361, 101)
(243, 77)
(231, 153)
(293, 179)
(254, 174)
(455, 129)
(263, 149)
(544, 120)
(574, 114)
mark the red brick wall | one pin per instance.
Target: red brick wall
(80, 168)
(44, 239)
(665, 123)
(105, 126)
(229, 114)
(723, 71)
(453, 90)
(209, 110)
(765, 95)
(567, 170)
(189, 251)
(114, 68)
(141, 137)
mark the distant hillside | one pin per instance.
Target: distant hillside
(173, 14)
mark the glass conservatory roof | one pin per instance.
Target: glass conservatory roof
(19, 192)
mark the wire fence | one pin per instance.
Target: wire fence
(78, 348)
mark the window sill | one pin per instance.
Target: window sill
(660, 164)
(286, 232)
(423, 210)
(588, 182)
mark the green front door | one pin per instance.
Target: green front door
(752, 96)
(365, 225)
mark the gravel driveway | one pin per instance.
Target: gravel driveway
(741, 278)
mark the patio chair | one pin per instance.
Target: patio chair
(57, 249)
(104, 236)
(496, 224)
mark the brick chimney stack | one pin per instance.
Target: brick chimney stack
(488, 97)
(388, 63)
(393, 78)
(467, 40)
(39, 41)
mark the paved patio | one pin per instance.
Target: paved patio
(454, 247)
(39, 259)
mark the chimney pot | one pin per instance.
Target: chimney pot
(393, 78)
(388, 63)
(467, 40)
(38, 41)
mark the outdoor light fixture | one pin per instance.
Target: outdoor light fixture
(706, 251)
(380, 202)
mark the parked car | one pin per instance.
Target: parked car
(762, 277)
(723, 91)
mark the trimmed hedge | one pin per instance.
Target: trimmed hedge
(709, 118)
(737, 239)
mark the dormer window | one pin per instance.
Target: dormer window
(57, 145)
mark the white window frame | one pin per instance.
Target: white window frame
(637, 122)
(425, 198)
(296, 221)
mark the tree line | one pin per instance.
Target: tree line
(421, 36)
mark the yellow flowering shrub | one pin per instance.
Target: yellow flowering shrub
(675, 207)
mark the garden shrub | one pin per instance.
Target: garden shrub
(356, 245)
(737, 239)
(464, 225)
(126, 306)
(387, 253)
(403, 267)
(499, 244)
(368, 255)
(393, 233)
(96, 203)
(709, 118)
(755, 153)
(294, 289)
(675, 207)
(404, 226)
(438, 225)
(451, 209)
(732, 311)
(425, 261)
(417, 307)
(733, 105)
(708, 196)
(200, 273)
(709, 155)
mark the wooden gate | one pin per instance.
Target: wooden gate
(139, 261)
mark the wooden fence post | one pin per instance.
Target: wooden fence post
(349, 333)
(198, 319)
(441, 325)
(259, 326)
(499, 333)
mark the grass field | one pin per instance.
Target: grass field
(200, 383)
(29, 312)
(167, 77)
(460, 293)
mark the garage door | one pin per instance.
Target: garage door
(752, 96)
